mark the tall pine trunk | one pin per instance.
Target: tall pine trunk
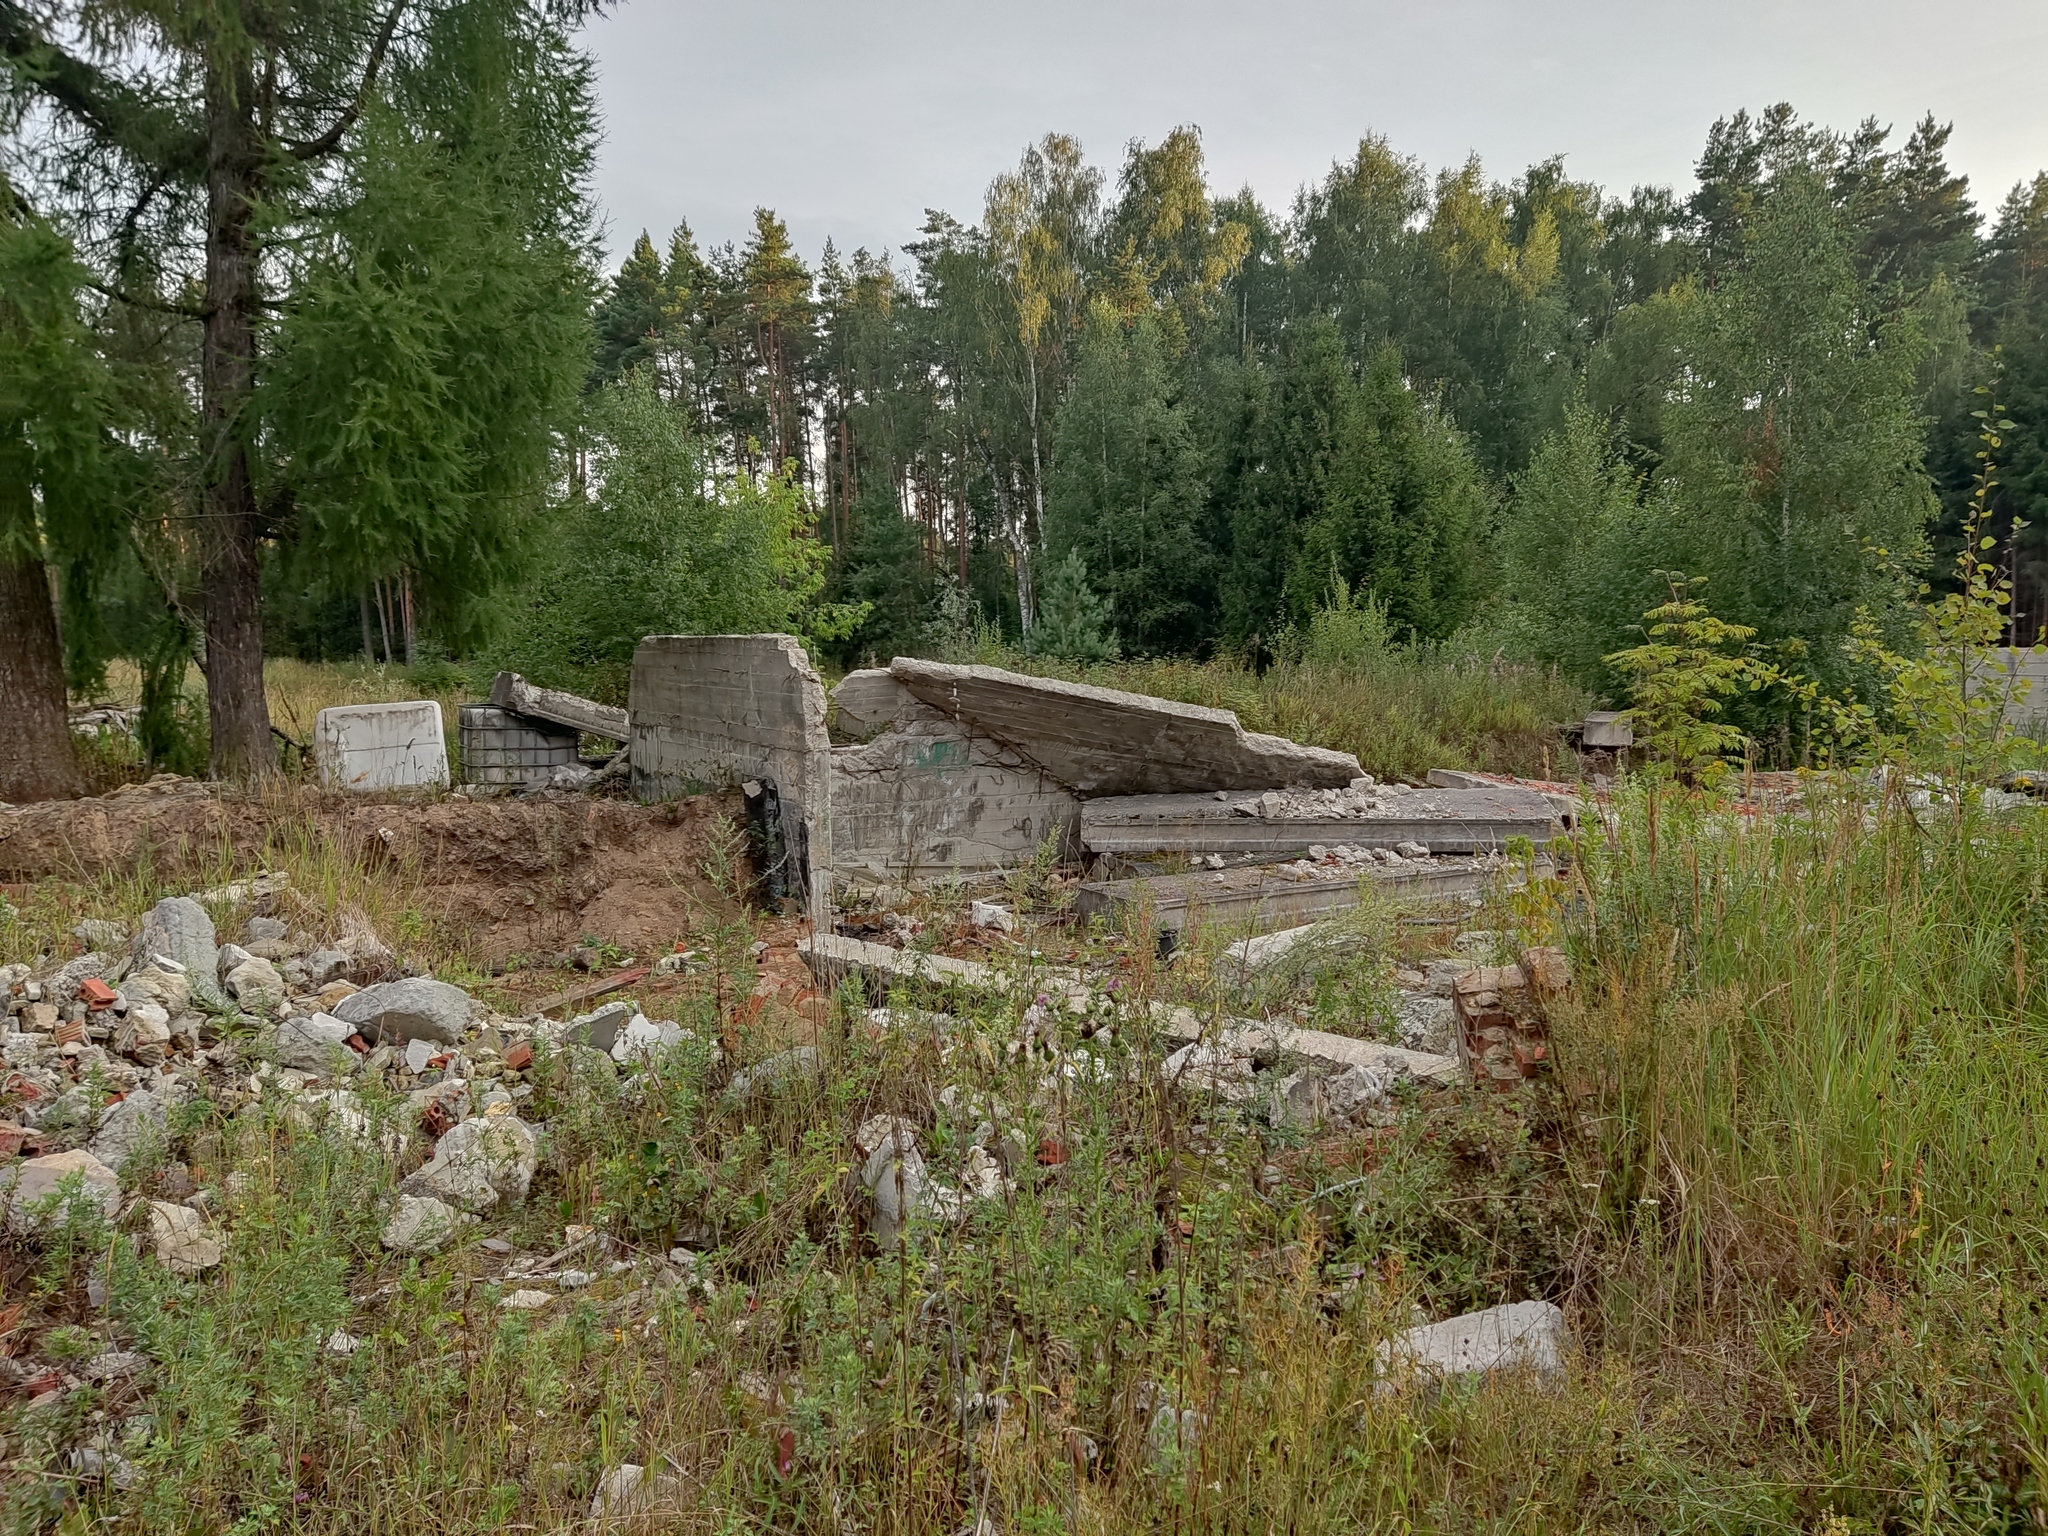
(236, 711)
(36, 757)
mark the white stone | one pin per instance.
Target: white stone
(1523, 1335)
(419, 1224)
(485, 1159)
(989, 914)
(256, 986)
(177, 929)
(318, 1045)
(343, 1343)
(417, 1008)
(525, 1301)
(381, 746)
(418, 1053)
(33, 1191)
(127, 1126)
(183, 1245)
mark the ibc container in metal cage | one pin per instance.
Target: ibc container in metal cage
(499, 747)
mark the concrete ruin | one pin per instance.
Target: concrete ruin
(364, 747)
(510, 691)
(925, 796)
(1279, 823)
(1101, 741)
(729, 711)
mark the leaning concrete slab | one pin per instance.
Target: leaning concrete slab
(513, 692)
(869, 701)
(381, 746)
(928, 798)
(1100, 741)
(1266, 896)
(723, 710)
(1278, 824)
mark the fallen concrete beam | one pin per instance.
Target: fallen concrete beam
(1249, 1038)
(832, 958)
(1100, 741)
(1285, 824)
(513, 692)
(1262, 897)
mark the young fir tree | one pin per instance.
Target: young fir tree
(370, 220)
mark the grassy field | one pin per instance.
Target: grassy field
(1786, 1179)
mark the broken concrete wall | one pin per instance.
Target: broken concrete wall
(1102, 741)
(927, 798)
(381, 746)
(719, 710)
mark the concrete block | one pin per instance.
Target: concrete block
(868, 702)
(1101, 741)
(926, 798)
(722, 710)
(510, 691)
(1266, 896)
(381, 746)
(1477, 820)
(1524, 1335)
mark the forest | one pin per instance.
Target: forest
(1113, 412)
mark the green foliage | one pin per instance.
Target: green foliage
(662, 542)
(1347, 629)
(1073, 622)
(1947, 696)
(1680, 679)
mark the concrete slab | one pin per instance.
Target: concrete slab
(1245, 1037)
(511, 691)
(721, 710)
(925, 799)
(1100, 741)
(867, 702)
(1267, 896)
(1478, 820)
(381, 746)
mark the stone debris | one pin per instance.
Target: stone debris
(514, 694)
(526, 1301)
(1521, 1336)
(343, 1343)
(319, 1044)
(39, 1192)
(256, 985)
(420, 1224)
(485, 1159)
(801, 1063)
(182, 1243)
(417, 1008)
(127, 1127)
(629, 1491)
(989, 914)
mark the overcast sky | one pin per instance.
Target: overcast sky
(851, 117)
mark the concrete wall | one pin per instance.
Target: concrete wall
(718, 710)
(381, 746)
(927, 798)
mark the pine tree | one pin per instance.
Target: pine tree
(387, 393)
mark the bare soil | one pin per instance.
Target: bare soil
(517, 877)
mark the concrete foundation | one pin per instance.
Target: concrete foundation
(1441, 820)
(1262, 897)
(381, 746)
(716, 711)
(1099, 741)
(927, 798)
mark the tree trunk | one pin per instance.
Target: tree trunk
(36, 757)
(236, 711)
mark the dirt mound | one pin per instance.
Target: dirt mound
(519, 876)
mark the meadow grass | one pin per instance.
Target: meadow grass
(1786, 1179)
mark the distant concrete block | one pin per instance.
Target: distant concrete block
(1522, 1336)
(381, 746)
(722, 710)
(1608, 730)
